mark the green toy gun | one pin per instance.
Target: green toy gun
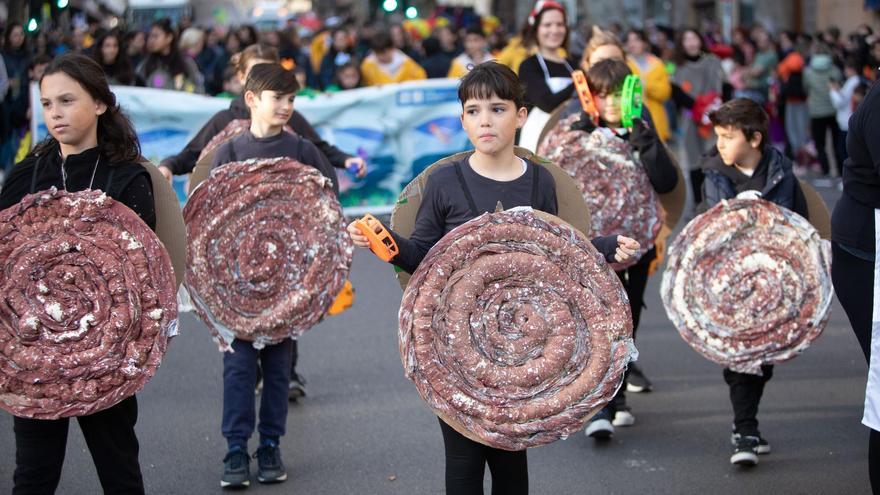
(631, 100)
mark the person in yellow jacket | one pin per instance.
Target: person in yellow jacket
(655, 80)
(387, 64)
(514, 53)
(475, 52)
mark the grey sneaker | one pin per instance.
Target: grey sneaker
(236, 469)
(271, 468)
(296, 388)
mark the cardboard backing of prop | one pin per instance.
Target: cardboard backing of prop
(817, 210)
(169, 220)
(572, 207)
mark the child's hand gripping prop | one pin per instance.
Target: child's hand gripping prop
(583, 91)
(631, 100)
(381, 242)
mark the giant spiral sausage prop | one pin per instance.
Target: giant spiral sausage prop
(88, 304)
(515, 330)
(268, 250)
(748, 283)
(615, 186)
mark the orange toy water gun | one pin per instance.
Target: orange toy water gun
(585, 95)
(381, 242)
(343, 300)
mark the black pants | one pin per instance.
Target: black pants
(466, 462)
(745, 396)
(634, 280)
(818, 128)
(40, 446)
(853, 280)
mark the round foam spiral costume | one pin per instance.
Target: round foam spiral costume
(748, 283)
(88, 304)
(615, 186)
(268, 251)
(514, 329)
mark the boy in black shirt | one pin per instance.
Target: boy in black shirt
(493, 110)
(746, 167)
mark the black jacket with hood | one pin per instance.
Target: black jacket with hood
(780, 185)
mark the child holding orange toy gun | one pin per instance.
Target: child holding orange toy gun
(493, 110)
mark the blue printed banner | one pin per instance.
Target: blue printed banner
(399, 128)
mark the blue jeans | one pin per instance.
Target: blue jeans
(239, 402)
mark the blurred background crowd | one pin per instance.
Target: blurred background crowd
(808, 80)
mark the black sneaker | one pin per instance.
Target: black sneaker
(236, 469)
(271, 468)
(296, 388)
(763, 444)
(745, 453)
(637, 382)
(600, 427)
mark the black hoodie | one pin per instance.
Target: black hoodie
(185, 161)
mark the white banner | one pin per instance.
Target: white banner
(399, 128)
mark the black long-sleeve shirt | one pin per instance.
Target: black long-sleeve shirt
(537, 92)
(445, 206)
(185, 161)
(128, 183)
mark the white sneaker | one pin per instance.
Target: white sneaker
(599, 429)
(624, 418)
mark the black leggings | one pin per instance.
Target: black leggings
(40, 446)
(466, 462)
(853, 280)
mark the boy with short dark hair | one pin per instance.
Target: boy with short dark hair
(492, 111)
(269, 94)
(606, 80)
(745, 166)
(387, 64)
(476, 51)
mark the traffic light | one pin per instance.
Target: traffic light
(32, 25)
(62, 3)
(412, 12)
(389, 5)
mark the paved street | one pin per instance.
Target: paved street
(364, 430)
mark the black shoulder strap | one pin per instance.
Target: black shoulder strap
(299, 146)
(534, 185)
(467, 192)
(232, 150)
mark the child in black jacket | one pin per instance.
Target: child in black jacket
(606, 79)
(746, 167)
